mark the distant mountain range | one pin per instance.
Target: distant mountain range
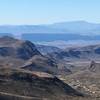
(29, 71)
(75, 32)
(91, 52)
(75, 27)
(78, 27)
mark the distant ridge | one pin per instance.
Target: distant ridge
(76, 27)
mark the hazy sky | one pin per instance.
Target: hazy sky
(48, 11)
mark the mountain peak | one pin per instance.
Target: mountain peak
(7, 38)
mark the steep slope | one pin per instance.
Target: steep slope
(44, 49)
(14, 52)
(94, 67)
(41, 63)
(46, 64)
(17, 48)
(19, 53)
(18, 83)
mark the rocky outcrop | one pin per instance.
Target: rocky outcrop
(10, 47)
(41, 63)
(26, 50)
(21, 83)
(94, 67)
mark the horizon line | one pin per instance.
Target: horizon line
(51, 23)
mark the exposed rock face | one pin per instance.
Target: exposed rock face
(41, 63)
(94, 67)
(27, 50)
(19, 53)
(21, 83)
(17, 48)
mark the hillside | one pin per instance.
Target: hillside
(24, 54)
(26, 74)
(27, 85)
(86, 52)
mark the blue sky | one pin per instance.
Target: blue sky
(48, 11)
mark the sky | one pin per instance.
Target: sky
(28, 12)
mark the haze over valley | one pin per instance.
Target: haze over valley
(49, 50)
(63, 34)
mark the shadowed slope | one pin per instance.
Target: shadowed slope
(34, 84)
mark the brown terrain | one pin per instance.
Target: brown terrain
(27, 74)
